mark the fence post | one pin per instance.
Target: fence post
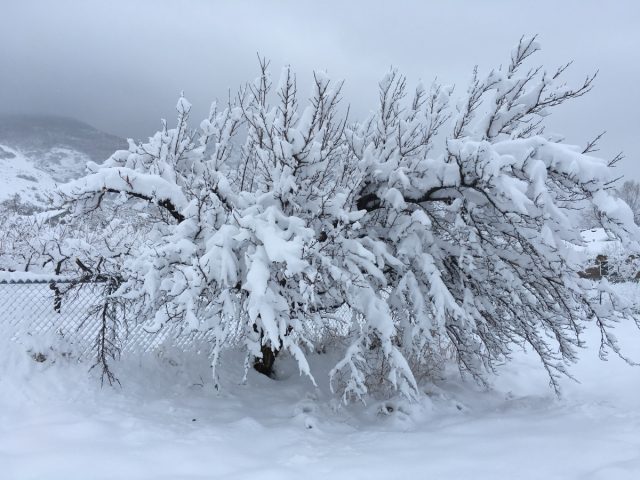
(57, 297)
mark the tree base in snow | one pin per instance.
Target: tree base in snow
(265, 364)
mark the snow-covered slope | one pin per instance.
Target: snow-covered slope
(58, 145)
(21, 177)
(38, 152)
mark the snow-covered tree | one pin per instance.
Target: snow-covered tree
(443, 221)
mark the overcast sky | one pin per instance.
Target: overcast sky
(120, 64)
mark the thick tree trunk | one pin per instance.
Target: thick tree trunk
(265, 364)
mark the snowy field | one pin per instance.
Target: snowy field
(167, 422)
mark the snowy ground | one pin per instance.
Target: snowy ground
(168, 423)
(21, 177)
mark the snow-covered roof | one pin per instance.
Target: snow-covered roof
(597, 241)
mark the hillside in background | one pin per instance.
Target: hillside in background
(39, 151)
(33, 134)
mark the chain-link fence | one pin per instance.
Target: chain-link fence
(46, 308)
(66, 312)
(66, 315)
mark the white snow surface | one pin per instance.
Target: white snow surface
(21, 177)
(597, 241)
(35, 175)
(168, 422)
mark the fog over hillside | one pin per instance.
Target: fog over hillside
(34, 134)
(39, 151)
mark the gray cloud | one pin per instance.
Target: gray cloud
(120, 64)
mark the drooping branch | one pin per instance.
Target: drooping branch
(164, 203)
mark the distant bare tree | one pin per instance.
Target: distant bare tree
(630, 193)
